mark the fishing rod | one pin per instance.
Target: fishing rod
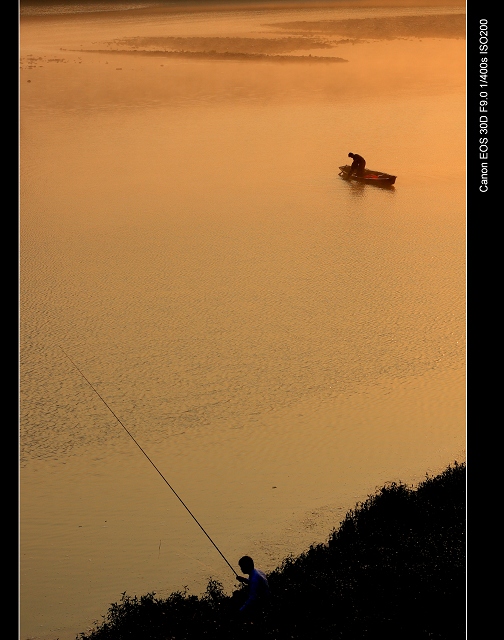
(176, 494)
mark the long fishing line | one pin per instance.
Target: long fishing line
(130, 435)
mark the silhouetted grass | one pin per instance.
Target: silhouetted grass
(394, 569)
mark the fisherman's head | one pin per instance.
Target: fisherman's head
(350, 155)
(246, 564)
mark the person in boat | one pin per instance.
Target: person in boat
(358, 165)
(259, 596)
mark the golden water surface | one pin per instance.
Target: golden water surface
(279, 341)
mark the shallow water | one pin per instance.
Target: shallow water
(279, 341)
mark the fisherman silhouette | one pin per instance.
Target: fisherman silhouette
(254, 610)
(358, 165)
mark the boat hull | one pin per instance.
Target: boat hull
(370, 176)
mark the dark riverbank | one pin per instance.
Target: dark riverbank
(395, 568)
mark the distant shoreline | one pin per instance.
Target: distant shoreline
(217, 5)
(213, 55)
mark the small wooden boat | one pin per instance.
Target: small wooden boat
(377, 178)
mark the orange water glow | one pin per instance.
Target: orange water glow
(280, 341)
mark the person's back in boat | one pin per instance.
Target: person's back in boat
(358, 165)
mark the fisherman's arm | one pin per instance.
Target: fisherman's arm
(253, 592)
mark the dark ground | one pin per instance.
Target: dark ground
(394, 569)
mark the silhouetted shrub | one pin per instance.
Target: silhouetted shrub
(394, 568)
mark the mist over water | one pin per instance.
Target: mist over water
(279, 341)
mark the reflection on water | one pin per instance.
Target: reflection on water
(280, 341)
(360, 189)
